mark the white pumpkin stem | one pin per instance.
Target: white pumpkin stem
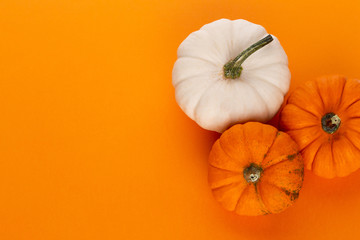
(233, 68)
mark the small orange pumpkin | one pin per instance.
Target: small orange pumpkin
(255, 169)
(323, 117)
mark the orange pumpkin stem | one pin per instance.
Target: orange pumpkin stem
(252, 173)
(330, 122)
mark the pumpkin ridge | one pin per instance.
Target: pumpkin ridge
(272, 84)
(353, 117)
(265, 65)
(317, 151)
(200, 58)
(285, 158)
(303, 109)
(262, 99)
(204, 34)
(184, 79)
(223, 169)
(304, 127)
(262, 203)
(227, 154)
(342, 93)
(230, 43)
(332, 156)
(351, 142)
(351, 105)
(310, 143)
(352, 129)
(199, 100)
(260, 78)
(272, 144)
(214, 42)
(318, 91)
(286, 191)
(225, 185)
(242, 193)
(222, 149)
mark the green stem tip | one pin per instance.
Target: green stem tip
(233, 68)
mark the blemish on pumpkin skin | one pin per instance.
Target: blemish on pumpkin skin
(298, 171)
(292, 156)
(265, 212)
(294, 196)
(286, 191)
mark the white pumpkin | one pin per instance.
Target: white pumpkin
(251, 88)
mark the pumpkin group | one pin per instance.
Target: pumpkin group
(254, 169)
(323, 117)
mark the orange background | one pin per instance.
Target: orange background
(94, 146)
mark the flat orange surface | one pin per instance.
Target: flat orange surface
(94, 146)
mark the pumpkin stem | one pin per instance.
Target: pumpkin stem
(252, 173)
(330, 122)
(233, 68)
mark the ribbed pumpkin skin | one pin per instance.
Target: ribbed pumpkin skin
(262, 145)
(327, 155)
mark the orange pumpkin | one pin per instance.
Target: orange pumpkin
(323, 117)
(255, 169)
